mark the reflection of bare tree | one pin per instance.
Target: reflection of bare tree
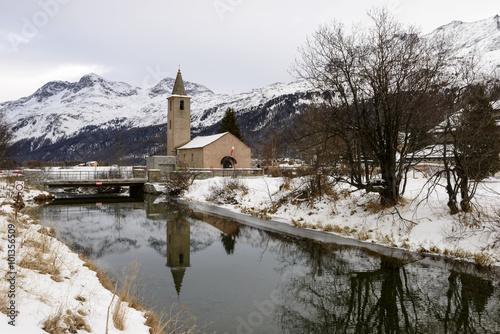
(360, 302)
(466, 310)
(386, 299)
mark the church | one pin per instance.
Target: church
(221, 150)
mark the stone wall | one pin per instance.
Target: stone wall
(162, 162)
(206, 173)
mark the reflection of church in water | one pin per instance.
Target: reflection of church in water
(178, 249)
(179, 242)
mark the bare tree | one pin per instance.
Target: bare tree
(379, 86)
(318, 146)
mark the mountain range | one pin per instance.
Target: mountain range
(98, 119)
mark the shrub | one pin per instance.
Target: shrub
(226, 191)
(178, 182)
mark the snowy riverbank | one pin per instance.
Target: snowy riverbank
(46, 285)
(420, 224)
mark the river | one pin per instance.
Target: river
(237, 278)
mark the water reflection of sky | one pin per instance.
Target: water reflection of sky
(246, 280)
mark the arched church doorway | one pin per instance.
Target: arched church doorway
(228, 162)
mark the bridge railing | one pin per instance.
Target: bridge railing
(76, 175)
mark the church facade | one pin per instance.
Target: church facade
(222, 150)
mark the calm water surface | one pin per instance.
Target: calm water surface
(240, 279)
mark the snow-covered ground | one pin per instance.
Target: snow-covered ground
(420, 224)
(50, 286)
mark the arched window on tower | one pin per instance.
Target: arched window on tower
(182, 105)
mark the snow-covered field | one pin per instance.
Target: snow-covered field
(420, 224)
(45, 284)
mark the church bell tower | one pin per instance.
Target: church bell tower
(178, 117)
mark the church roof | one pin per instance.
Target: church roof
(202, 141)
(178, 85)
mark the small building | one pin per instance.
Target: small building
(222, 150)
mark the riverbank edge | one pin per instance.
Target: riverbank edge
(289, 229)
(152, 321)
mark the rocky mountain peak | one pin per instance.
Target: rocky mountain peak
(90, 80)
(50, 89)
(165, 86)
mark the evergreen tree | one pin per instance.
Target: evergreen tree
(476, 141)
(230, 124)
(478, 137)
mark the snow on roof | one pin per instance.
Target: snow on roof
(202, 141)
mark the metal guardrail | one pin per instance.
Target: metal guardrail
(89, 175)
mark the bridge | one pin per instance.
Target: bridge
(135, 179)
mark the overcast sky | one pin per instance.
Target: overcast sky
(226, 45)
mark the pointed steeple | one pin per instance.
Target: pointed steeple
(178, 85)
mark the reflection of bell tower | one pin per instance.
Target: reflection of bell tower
(178, 117)
(178, 249)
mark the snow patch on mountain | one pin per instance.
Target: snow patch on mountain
(479, 37)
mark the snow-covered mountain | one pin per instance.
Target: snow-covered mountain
(61, 110)
(95, 118)
(481, 37)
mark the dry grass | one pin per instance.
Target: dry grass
(47, 231)
(83, 313)
(264, 214)
(41, 262)
(286, 185)
(434, 249)
(34, 244)
(57, 278)
(127, 296)
(328, 228)
(374, 206)
(29, 210)
(81, 299)
(4, 301)
(363, 234)
(176, 321)
(106, 282)
(119, 315)
(483, 259)
(422, 249)
(155, 324)
(405, 245)
(67, 322)
(460, 253)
